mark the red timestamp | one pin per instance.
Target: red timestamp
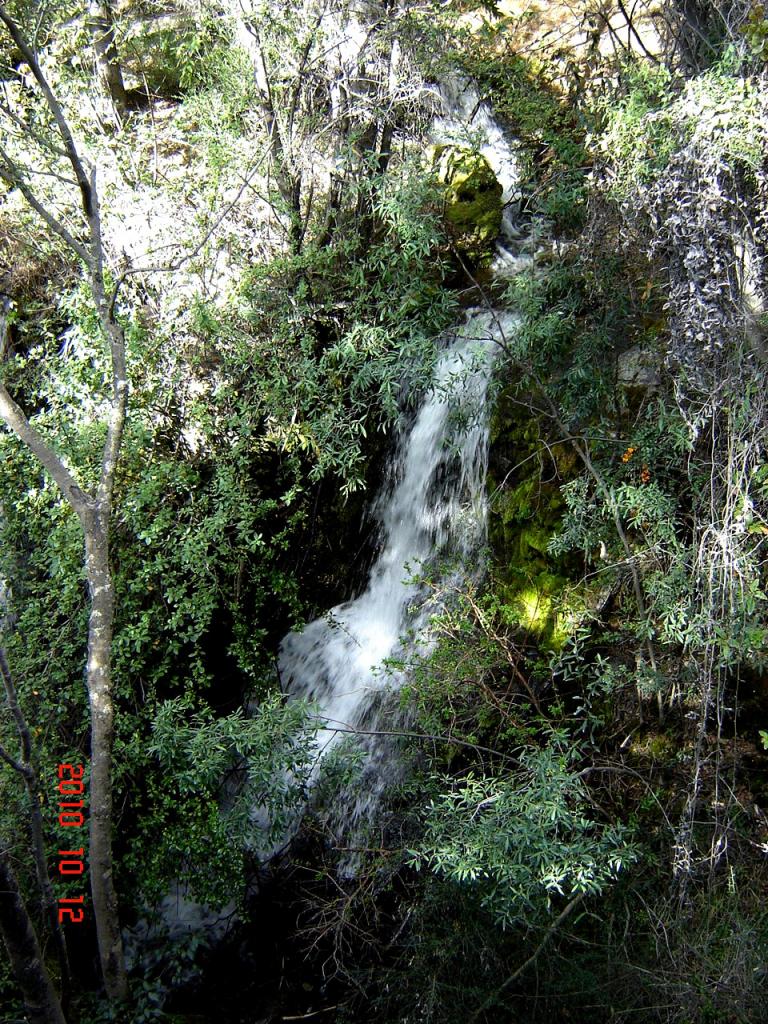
(71, 790)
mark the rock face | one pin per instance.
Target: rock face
(473, 206)
(525, 477)
(638, 370)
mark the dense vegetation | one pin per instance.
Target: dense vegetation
(227, 259)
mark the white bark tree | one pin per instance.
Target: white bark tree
(93, 507)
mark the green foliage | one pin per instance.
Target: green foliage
(463, 688)
(247, 393)
(266, 372)
(659, 114)
(229, 786)
(522, 840)
(755, 30)
(640, 133)
(172, 59)
(571, 317)
(526, 510)
(219, 112)
(341, 332)
(551, 136)
(725, 109)
(11, 1003)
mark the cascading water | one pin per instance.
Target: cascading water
(432, 511)
(467, 120)
(431, 514)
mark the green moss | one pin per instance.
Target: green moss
(526, 508)
(473, 204)
(544, 604)
(658, 746)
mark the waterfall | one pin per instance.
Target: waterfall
(432, 517)
(467, 120)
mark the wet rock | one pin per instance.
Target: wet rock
(473, 199)
(538, 589)
(638, 369)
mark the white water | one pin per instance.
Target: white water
(431, 513)
(433, 509)
(467, 120)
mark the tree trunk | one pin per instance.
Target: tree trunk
(92, 510)
(99, 682)
(94, 519)
(101, 25)
(696, 48)
(20, 941)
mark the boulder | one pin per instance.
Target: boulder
(473, 205)
(638, 369)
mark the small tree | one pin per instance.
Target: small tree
(93, 507)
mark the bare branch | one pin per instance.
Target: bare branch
(334, 725)
(9, 759)
(42, 140)
(180, 261)
(53, 105)
(548, 936)
(15, 418)
(12, 175)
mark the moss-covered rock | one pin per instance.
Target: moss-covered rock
(473, 206)
(537, 589)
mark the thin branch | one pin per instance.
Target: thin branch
(14, 418)
(12, 175)
(333, 725)
(53, 105)
(633, 31)
(548, 936)
(42, 140)
(9, 759)
(179, 262)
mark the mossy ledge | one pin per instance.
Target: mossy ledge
(526, 507)
(473, 206)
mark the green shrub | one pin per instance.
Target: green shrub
(522, 840)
